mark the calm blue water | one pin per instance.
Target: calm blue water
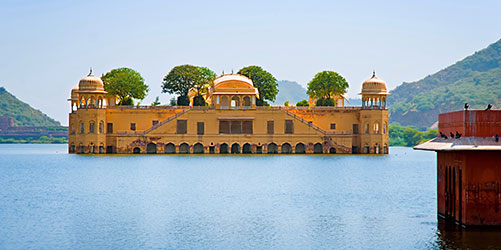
(53, 200)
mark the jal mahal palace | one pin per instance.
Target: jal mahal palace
(231, 123)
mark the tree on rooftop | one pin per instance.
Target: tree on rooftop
(325, 86)
(303, 103)
(125, 83)
(264, 81)
(185, 78)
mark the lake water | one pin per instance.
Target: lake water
(52, 200)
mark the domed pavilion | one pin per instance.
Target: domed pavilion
(374, 93)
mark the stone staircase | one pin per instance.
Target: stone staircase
(308, 123)
(170, 118)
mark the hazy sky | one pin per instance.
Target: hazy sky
(46, 47)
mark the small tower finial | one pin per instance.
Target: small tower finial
(223, 71)
(90, 72)
(373, 73)
(232, 71)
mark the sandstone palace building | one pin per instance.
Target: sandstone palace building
(231, 123)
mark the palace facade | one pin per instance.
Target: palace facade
(231, 123)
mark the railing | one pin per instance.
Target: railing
(310, 124)
(322, 108)
(170, 118)
(268, 108)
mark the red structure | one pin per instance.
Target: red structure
(6, 122)
(469, 166)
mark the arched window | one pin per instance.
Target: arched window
(100, 102)
(235, 102)
(300, 149)
(286, 148)
(247, 102)
(224, 149)
(272, 148)
(376, 128)
(170, 148)
(247, 148)
(92, 127)
(82, 128)
(224, 102)
(101, 127)
(198, 148)
(184, 148)
(318, 148)
(82, 102)
(235, 148)
(151, 148)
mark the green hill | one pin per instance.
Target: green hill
(23, 114)
(475, 80)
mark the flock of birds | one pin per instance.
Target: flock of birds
(466, 106)
(458, 135)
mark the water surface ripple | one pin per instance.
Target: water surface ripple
(53, 200)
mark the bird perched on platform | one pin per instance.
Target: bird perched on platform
(489, 107)
(443, 135)
(497, 138)
(466, 106)
(458, 135)
(452, 135)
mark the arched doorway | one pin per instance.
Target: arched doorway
(198, 148)
(170, 148)
(272, 148)
(184, 148)
(151, 148)
(376, 149)
(318, 148)
(300, 149)
(247, 149)
(235, 148)
(286, 148)
(332, 150)
(136, 150)
(366, 149)
(224, 149)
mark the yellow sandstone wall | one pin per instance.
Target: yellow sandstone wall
(124, 140)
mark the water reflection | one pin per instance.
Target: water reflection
(453, 236)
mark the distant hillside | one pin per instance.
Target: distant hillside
(23, 114)
(475, 80)
(290, 91)
(356, 102)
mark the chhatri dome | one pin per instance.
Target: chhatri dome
(90, 93)
(374, 86)
(233, 91)
(91, 83)
(374, 93)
